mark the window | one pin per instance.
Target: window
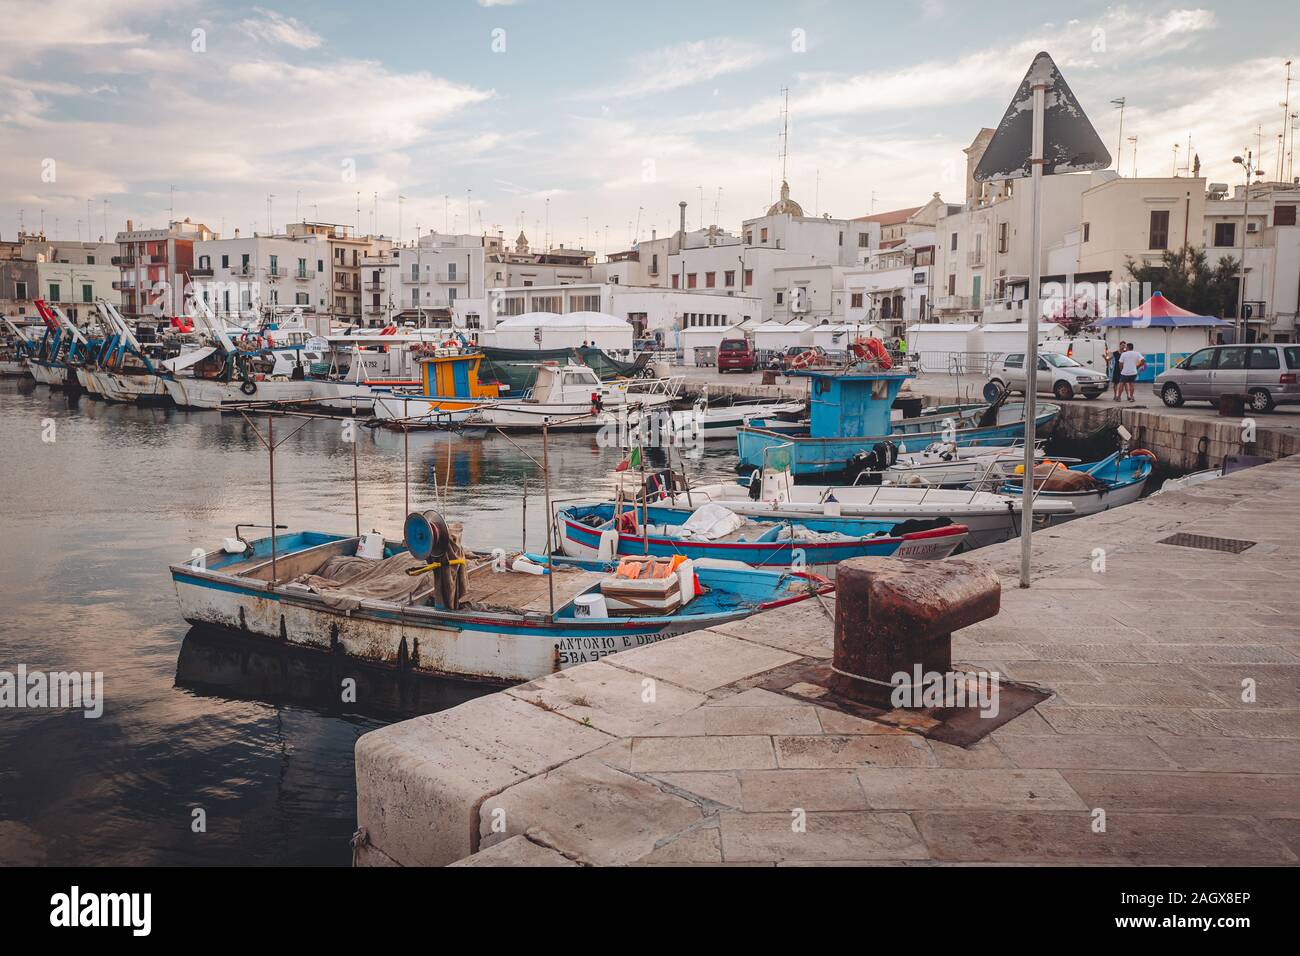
(952, 242)
(1231, 358)
(780, 298)
(243, 261)
(20, 290)
(451, 295)
(451, 272)
(1199, 361)
(90, 260)
(1264, 356)
(841, 237)
(415, 272)
(1087, 233)
(225, 299)
(918, 278)
(275, 296)
(225, 262)
(925, 257)
(952, 285)
(855, 300)
(1225, 233)
(710, 280)
(1159, 238)
(654, 264)
(690, 280)
(749, 238)
(302, 269)
(320, 265)
(729, 278)
(54, 292)
(1284, 215)
(275, 265)
(762, 234)
(749, 277)
(301, 298)
(585, 303)
(1292, 356)
(676, 280)
(87, 292)
(864, 240)
(1015, 361)
(415, 298)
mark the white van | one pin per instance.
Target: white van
(1088, 351)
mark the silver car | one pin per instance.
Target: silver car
(1058, 375)
(1265, 374)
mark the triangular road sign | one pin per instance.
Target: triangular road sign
(1070, 144)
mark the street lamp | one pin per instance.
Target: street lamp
(1247, 165)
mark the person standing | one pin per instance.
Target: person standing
(1131, 362)
(1112, 360)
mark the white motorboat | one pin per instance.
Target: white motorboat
(948, 465)
(721, 421)
(572, 398)
(991, 517)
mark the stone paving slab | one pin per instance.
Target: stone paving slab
(1147, 725)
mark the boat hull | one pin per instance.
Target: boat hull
(202, 393)
(564, 416)
(813, 456)
(582, 541)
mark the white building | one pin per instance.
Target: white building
(264, 275)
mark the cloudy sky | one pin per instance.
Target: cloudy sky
(587, 118)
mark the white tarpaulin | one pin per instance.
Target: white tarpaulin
(711, 521)
(186, 359)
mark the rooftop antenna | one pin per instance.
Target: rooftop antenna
(1134, 140)
(1119, 103)
(1286, 114)
(400, 199)
(270, 219)
(171, 204)
(358, 217)
(105, 218)
(717, 206)
(639, 210)
(785, 132)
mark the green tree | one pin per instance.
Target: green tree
(1186, 279)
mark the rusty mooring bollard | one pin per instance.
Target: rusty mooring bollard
(892, 614)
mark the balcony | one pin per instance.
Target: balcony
(201, 272)
(374, 287)
(127, 261)
(341, 285)
(124, 285)
(955, 303)
(305, 275)
(241, 270)
(975, 259)
(445, 277)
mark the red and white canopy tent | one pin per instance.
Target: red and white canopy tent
(1161, 331)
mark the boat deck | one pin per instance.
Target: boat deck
(523, 592)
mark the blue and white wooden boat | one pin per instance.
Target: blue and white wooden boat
(815, 544)
(1118, 480)
(850, 413)
(502, 629)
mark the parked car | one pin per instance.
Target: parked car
(1265, 374)
(1058, 375)
(737, 355)
(800, 356)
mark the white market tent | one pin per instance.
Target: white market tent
(939, 344)
(699, 343)
(778, 336)
(838, 338)
(608, 332)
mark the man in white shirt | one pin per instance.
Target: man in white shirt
(1131, 362)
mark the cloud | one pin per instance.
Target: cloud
(272, 27)
(681, 65)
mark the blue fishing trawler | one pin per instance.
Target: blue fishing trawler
(850, 414)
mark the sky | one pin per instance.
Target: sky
(585, 124)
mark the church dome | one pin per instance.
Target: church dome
(785, 204)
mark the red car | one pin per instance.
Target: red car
(736, 355)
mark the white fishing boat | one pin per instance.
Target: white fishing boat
(990, 517)
(710, 422)
(948, 465)
(428, 606)
(572, 398)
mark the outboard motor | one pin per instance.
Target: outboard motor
(874, 462)
(755, 485)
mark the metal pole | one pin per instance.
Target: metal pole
(1240, 325)
(523, 529)
(270, 446)
(356, 490)
(1031, 347)
(550, 517)
(406, 472)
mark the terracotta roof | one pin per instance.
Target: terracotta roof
(891, 218)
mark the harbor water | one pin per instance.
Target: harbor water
(98, 500)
